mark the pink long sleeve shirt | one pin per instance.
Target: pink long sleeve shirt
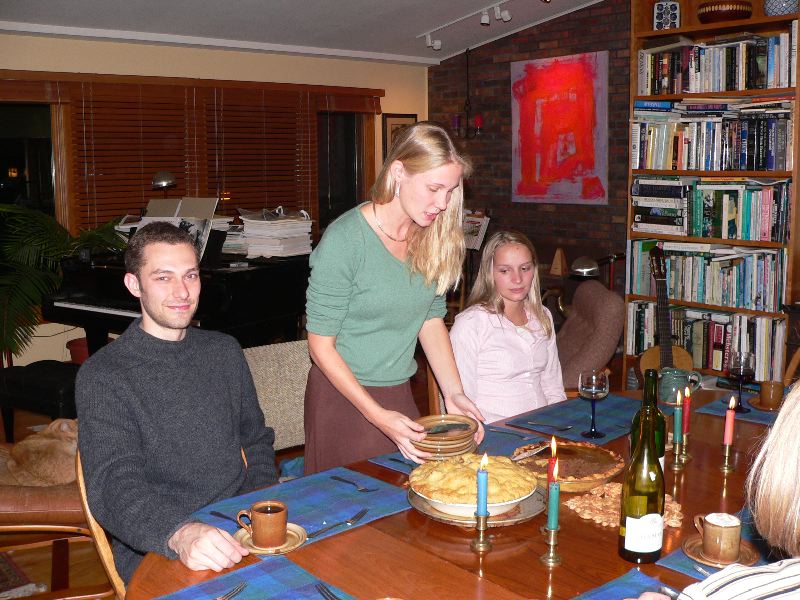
(506, 369)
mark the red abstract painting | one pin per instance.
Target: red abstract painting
(560, 129)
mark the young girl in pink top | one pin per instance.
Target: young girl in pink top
(504, 342)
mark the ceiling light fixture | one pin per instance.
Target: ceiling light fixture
(499, 14)
(464, 128)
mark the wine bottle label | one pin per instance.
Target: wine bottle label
(661, 462)
(644, 534)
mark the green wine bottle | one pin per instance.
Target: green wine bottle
(649, 396)
(641, 520)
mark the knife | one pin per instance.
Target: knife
(530, 453)
(444, 427)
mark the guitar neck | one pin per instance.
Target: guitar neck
(664, 325)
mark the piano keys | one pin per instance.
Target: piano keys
(259, 304)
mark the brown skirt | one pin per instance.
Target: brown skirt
(337, 433)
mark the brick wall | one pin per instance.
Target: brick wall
(581, 230)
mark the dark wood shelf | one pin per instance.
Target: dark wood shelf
(642, 235)
(753, 25)
(708, 307)
(779, 94)
(717, 175)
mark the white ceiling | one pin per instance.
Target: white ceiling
(387, 30)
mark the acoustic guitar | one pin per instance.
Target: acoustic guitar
(665, 354)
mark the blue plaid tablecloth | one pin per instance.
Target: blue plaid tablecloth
(498, 441)
(275, 579)
(630, 585)
(614, 416)
(678, 561)
(315, 500)
(718, 408)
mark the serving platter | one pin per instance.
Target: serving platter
(525, 510)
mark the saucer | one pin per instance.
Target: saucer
(755, 402)
(693, 547)
(295, 536)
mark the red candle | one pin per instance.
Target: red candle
(730, 415)
(687, 407)
(479, 121)
(551, 462)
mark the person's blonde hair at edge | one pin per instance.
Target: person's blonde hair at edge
(435, 252)
(484, 292)
(773, 484)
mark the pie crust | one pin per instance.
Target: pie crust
(453, 481)
(581, 465)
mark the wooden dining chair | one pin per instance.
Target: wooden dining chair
(99, 535)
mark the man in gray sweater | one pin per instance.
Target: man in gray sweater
(165, 412)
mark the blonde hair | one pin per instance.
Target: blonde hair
(435, 252)
(773, 484)
(484, 292)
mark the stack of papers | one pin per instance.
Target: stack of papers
(277, 235)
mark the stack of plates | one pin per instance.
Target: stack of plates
(448, 443)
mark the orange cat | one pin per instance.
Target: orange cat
(44, 458)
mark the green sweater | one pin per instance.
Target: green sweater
(369, 301)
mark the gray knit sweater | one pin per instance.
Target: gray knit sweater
(161, 429)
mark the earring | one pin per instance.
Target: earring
(397, 191)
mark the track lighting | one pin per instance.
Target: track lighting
(437, 44)
(485, 17)
(428, 41)
(506, 16)
(500, 14)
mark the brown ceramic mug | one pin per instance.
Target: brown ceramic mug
(771, 394)
(267, 527)
(721, 534)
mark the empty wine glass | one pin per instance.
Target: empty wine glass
(593, 386)
(742, 366)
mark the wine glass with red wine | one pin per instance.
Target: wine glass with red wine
(742, 366)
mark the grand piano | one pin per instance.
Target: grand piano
(257, 304)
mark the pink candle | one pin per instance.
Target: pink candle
(730, 415)
(551, 462)
(687, 407)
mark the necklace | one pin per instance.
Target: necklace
(378, 223)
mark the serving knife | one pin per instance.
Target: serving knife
(530, 453)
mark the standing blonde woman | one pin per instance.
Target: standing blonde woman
(504, 342)
(377, 284)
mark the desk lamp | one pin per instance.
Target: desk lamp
(163, 180)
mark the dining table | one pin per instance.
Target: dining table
(409, 555)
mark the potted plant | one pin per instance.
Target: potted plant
(32, 245)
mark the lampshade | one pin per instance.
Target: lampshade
(584, 266)
(163, 180)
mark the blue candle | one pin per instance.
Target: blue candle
(677, 422)
(483, 488)
(552, 500)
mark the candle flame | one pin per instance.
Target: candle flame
(732, 403)
(687, 392)
(555, 471)
(679, 398)
(553, 446)
(484, 462)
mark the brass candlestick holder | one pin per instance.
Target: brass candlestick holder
(481, 543)
(677, 452)
(727, 465)
(685, 456)
(551, 558)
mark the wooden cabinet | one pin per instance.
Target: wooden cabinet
(713, 181)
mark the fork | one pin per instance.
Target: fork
(351, 521)
(549, 426)
(233, 592)
(359, 487)
(523, 436)
(326, 592)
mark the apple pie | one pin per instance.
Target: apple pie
(453, 481)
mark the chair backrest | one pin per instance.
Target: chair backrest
(279, 373)
(99, 535)
(591, 333)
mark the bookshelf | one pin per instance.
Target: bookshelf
(713, 181)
